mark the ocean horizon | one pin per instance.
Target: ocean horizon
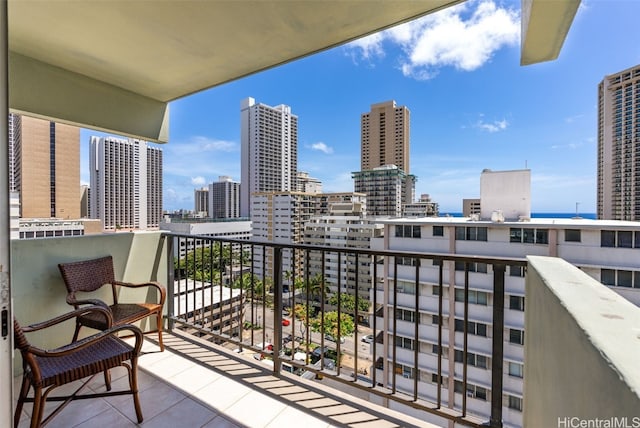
(591, 216)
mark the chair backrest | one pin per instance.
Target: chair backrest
(87, 275)
(19, 339)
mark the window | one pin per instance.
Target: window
(473, 267)
(516, 271)
(620, 238)
(516, 336)
(406, 287)
(471, 233)
(435, 290)
(516, 303)
(472, 359)
(475, 297)
(620, 278)
(473, 391)
(438, 230)
(404, 342)
(405, 371)
(625, 239)
(408, 261)
(405, 315)
(516, 370)
(515, 403)
(608, 238)
(529, 236)
(407, 231)
(572, 235)
(434, 350)
(476, 328)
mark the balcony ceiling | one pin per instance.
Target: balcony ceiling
(114, 65)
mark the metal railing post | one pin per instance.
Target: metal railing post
(498, 345)
(170, 281)
(277, 307)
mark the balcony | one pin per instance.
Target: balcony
(587, 342)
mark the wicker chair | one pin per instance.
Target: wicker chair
(89, 276)
(45, 370)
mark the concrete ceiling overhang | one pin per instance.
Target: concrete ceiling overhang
(114, 65)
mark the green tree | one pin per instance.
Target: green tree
(329, 323)
(348, 302)
(207, 263)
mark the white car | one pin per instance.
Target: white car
(368, 338)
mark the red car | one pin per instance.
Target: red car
(285, 322)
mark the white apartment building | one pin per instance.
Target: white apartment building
(201, 202)
(424, 207)
(609, 251)
(227, 229)
(224, 198)
(307, 184)
(269, 150)
(343, 229)
(618, 146)
(126, 183)
(387, 188)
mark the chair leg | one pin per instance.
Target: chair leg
(24, 390)
(38, 407)
(133, 385)
(75, 333)
(107, 380)
(159, 325)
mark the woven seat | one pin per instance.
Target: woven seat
(45, 370)
(89, 276)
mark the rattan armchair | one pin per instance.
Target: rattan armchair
(45, 370)
(90, 275)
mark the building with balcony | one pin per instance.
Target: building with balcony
(201, 201)
(224, 198)
(424, 207)
(126, 183)
(619, 146)
(607, 251)
(307, 184)
(44, 160)
(387, 188)
(269, 150)
(384, 136)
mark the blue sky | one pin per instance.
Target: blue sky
(472, 106)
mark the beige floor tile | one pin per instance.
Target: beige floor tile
(186, 413)
(255, 409)
(222, 393)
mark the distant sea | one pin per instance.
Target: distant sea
(540, 215)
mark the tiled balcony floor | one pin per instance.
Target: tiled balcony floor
(189, 385)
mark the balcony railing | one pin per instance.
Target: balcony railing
(234, 292)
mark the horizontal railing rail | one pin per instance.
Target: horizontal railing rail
(303, 307)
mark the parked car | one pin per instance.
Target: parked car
(368, 338)
(331, 339)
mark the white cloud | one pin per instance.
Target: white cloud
(495, 126)
(464, 37)
(322, 147)
(198, 181)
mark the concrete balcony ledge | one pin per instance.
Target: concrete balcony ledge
(582, 348)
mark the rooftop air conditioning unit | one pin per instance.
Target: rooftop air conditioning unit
(497, 216)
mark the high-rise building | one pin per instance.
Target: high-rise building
(269, 152)
(224, 198)
(44, 168)
(384, 136)
(201, 201)
(126, 183)
(307, 184)
(619, 146)
(387, 189)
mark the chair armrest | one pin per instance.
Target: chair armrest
(160, 287)
(90, 340)
(94, 302)
(73, 314)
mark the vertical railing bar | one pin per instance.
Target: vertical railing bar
(337, 339)
(171, 264)
(277, 310)
(440, 322)
(356, 314)
(465, 339)
(308, 298)
(264, 295)
(241, 304)
(394, 335)
(416, 322)
(253, 297)
(322, 308)
(498, 346)
(375, 321)
(193, 282)
(220, 246)
(179, 272)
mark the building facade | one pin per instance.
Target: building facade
(386, 187)
(307, 184)
(269, 150)
(126, 183)
(201, 201)
(618, 178)
(424, 207)
(606, 250)
(224, 198)
(44, 167)
(384, 136)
